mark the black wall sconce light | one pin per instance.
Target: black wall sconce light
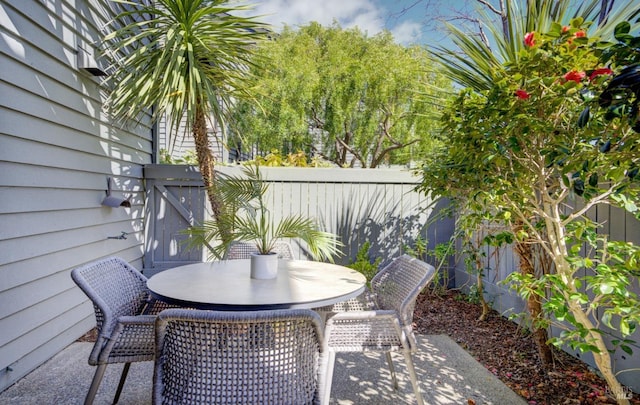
(112, 201)
(88, 62)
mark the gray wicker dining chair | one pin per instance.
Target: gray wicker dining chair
(387, 327)
(243, 250)
(227, 357)
(125, 316)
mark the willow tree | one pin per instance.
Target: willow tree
(352, 98)
(188, 60)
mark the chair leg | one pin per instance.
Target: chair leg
(123, 377)
(328, 377)
(323, 318)
(413, 376)
(392, 370)
(95, 383)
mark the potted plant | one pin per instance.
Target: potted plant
(245, 217)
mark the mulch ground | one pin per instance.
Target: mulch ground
(507, 351)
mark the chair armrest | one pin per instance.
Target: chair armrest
(365, 330)
(132, 339)
(136, 320)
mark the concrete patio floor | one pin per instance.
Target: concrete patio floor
(447, 374)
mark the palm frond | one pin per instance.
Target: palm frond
(476, 66)
(176, 55)
(247, 218)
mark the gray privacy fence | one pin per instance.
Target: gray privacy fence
(375, 205)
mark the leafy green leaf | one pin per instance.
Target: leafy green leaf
(621, 31)
(583, 119)
(606, 288)
(624, 327)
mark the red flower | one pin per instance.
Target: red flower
(522, 94)
(580, 34)
(529, 39)
(600, 71)
(575, 76)
(566, 28)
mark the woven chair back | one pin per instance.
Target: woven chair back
(215, 357)
(243, 250)
(115, 288)
(397, 285)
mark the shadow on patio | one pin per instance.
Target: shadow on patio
(447, 374)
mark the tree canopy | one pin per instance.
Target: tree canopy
(340, 94)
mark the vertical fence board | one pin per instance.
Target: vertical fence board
(359, 205)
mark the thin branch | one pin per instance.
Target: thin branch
(601, 199)
(490, 7)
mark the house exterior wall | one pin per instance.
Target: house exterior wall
(180, 142)
(57, 149)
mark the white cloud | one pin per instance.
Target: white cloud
(407, 32)
(349, 13)
(369, 16)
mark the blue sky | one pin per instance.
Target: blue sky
(410, 21)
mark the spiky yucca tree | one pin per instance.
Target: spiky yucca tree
(188, 59)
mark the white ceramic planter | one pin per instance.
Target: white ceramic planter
(264, 267)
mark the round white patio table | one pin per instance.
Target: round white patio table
(227, 285)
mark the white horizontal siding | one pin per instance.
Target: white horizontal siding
(57, 149)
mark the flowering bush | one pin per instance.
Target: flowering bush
(532, 143)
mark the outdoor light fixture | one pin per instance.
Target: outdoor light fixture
(88, 63)
(112, 201)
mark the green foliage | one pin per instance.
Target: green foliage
(188, 158)
(355, 95)
(611, 277)
(363, 263)
(439, 256)
(244, 217)
(298, 159)
(179, 56)
(472, 296)
(522, 151)
(419, 248)
(527, 137)
(476, 61)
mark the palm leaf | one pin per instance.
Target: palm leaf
(247, 218)
(477, 66)
(186, 53)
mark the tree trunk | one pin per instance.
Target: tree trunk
(602, 358)
(483, 303)
(480, 281)
(534, 306)
(206, 160)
